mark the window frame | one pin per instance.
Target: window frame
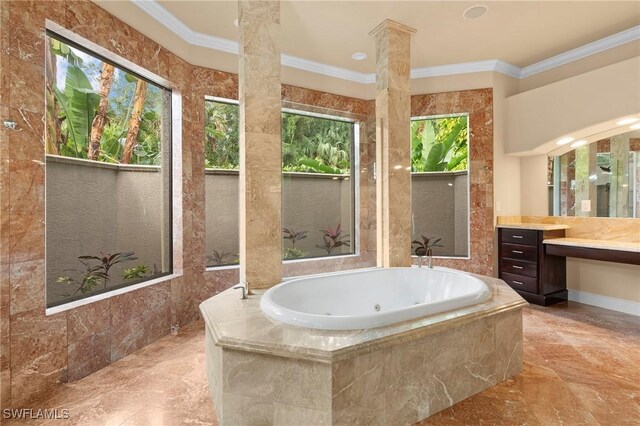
(436, 117)
(354, 177)
(170, 166)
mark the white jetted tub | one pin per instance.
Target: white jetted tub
(371, 298)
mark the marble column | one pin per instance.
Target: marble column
(260, 143)
(393, 155)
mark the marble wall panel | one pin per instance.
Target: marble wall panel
(399, 383)
(262, 389)
(73, 344)
(5, 283)
(39, 351)
(411, 381)
(479, 105)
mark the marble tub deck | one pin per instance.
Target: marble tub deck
(262, 371)
(580, 367)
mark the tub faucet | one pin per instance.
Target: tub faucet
(246, 290)
(429, 258)
(420, 261)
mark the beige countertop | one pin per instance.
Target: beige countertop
(240, 324)
(596, 244)
(534, 226)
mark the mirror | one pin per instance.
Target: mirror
(599, 179)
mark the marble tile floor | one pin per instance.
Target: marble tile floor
(582, 366)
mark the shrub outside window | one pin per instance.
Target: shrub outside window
(318, 193)
(440, 185)
(108, 175)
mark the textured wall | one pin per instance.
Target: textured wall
(39, 351)
(479, 105)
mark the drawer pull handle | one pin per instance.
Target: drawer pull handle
(518, 237)
(517, 251)
(517, 282)
(517, 267)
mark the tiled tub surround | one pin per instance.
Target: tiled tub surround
(264, 372)
(38, 351)
(479, 105)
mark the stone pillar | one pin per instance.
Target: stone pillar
(393, 144)
(260, 143)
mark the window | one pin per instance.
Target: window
(222, 183)
(440, 185)
(108, 175)
(318, 192)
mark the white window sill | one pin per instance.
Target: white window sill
(103, 296)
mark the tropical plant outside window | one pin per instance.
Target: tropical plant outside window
(440, 185)
(108, 169)
(317, 155)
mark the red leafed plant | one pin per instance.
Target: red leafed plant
(425, 244)
(334, 238)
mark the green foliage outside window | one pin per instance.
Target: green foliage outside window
(309, 144)
(439, 144)
(87, 98)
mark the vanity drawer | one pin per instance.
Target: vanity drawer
(519, 267)
(520, 236)
(520, 282)
(520, 252)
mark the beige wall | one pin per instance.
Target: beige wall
(533, 185)
(576, 96)
(604, 278)
(507, 172)
(579, 106)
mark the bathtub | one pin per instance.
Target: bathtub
(371, 298)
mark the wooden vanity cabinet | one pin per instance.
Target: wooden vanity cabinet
(523, 264)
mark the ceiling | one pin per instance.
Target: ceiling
(324, 34)
(518, 32)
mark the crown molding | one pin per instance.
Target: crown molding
(179, 28)
(171, 22)
(626, 36)
(328, 70)
(493, 65)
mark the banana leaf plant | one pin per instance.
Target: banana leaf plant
(78, 102)
(439, 144)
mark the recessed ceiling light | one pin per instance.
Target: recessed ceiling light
(626, 121)
(635, 126)
(579, 143)
(359, 56)
(565, 141)
(475, 11)
(236, 23)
